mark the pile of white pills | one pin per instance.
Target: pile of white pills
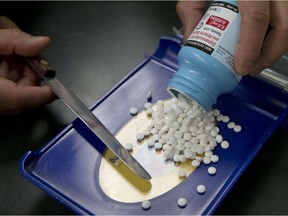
(183, 131)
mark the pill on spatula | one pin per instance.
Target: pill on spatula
(129, 147)
(182, 173)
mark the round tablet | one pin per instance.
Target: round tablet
(231, 125)
(146, 204)
(225, 119)
(195, 163)
(211, 170)
(214, 158)
(206, 160)
(225, 144)
(237, 128)
(182, 202)
(182, 173)
(133, 110)
(201, 189)
(128, 147)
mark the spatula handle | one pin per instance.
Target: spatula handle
(37, 63)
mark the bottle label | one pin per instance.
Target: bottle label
(217, 33)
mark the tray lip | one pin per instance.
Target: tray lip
(57, 195)
(243, 166)
(78, 208)
(30, 156)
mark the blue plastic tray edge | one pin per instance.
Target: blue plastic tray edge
(31, 157)
(237, 174)
(43, 186)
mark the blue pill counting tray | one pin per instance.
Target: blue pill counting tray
(76, 169)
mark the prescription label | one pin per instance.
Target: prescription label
(217, 33)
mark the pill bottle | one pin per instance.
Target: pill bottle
(206, 60)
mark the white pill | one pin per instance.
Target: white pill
(187, 136)
(214, 158)
(140, 136)
(208, 153)
(182, 173)
(219, 138)
(219, 117)
(128, 147)
(182, 202)
(167, 153)
(149, 111)
(178, 134)
(231, 125)
(225, 144)
(215, 112)
(201, 189)
(195, 163)
(188, 145)
(158, 146)
(146, 204)
(206, 160)
(133, 110)
(176, 125)
(200, 149)
(225, 119)
(184, 129)
(146, 133)
(155, 137)
(160, 102)
(188, 154)
(182, 158)
(147, 105)
(180, 147)
(237, 128)
(211, 170)
(176, 158)
(181, 141)
(150, 143)
(208, 127)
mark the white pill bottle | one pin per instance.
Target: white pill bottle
(206, 61)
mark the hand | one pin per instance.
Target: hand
(19, 86)
(256, 49)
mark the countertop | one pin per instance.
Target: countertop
(93, 45)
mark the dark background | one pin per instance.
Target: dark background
(93, 45)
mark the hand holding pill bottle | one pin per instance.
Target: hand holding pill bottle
(206, 61)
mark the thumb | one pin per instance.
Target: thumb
(190, 13)
(15, 41)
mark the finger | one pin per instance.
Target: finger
(18, 42)
(33, 96)
(29, 78)
(14, 97)
(190, 13)
(11, 68)
(276, 42)
(255, 18)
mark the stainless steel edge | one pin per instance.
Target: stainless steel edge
(81, 110)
